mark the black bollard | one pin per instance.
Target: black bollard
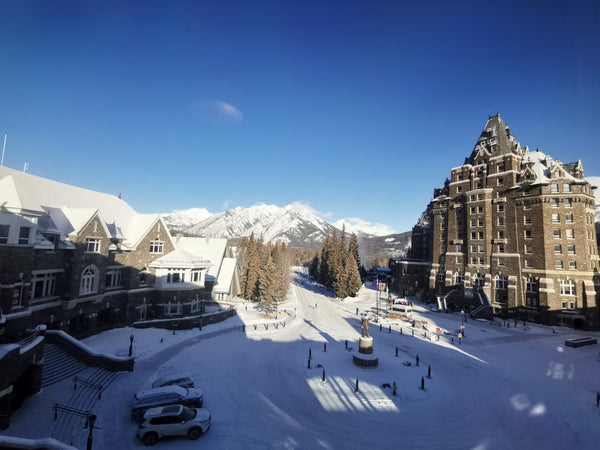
(309, 363)
(417, 360)
(346, 345)
(309, 354)
(325, 346)
(390, 329)
(394, 388)
(323, 374)
(598, 399)
(400, 330)
(396, 352)
(429, 372)
(422, 383)
(380, 327)
(453, 339)
(356, 385)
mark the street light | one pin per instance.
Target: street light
(131, 338)
(91, 423)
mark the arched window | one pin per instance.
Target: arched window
(89, 281)
(459, 278)
(479, 280)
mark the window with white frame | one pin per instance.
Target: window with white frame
(479, 280)
(473, 222)
(500, 207)
(500, 234)
(500, 261)
(480, 249)
(572, 265)
(571, 249)
(568, 202)
(569, 218)
(566, 187)
(557, 249)
(459, 278)
(479, 222)
(555, 218)
(554, 202)
(459, 260)
(175, 275)
(554, 187)
(558, 264)
(501, 282)
(141, 311)
(527, 234)
(500, 221)
(531, 285)
(144, 276)
(89, 281)
(43, 285)
(501, 248)
(156, 246)
(473, 248)
(500, 168)
(113, 277)
(480, 235)
(473, 260)
(92, 245)
(4, 229)
(479, 196)
(556, 233)
(196, 275)
(480, 209)
(527, 220)
(527, 205)
(473, 210)
(500, 181)
(196, 305)
(172, 308)
(458, 189)
(24, 235)
(528, 249)
(567, 287)
(570, 233)
(528, 263)
(473, 235)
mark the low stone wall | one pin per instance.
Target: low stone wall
(186, 323)
(87, 355)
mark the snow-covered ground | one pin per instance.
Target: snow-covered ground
(500, 388)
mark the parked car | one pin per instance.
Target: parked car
(183, 379)
(165, 395)
(173, 420)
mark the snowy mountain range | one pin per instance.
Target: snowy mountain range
(294, 224)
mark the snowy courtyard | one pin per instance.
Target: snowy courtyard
(499, 388)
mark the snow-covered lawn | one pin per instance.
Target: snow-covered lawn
(501, 388)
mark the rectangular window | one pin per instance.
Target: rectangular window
(480, 235)
(556, 233)
(459, 177)
(527, 234)
(459, 260)
(558, 264)
(24, 235)
(501, 168)
(458, 189)
(479, 222)
(480, 249)
(113, 277)
(156, 246)
(527, 205)
(569, 218)
(500, 221)
(479, 196)
(92, 245)
(176, 276)
(527, 220)
(473, 210)
(566, 188)
(500, 248)
(557, 250)
(573, 265)
(4, 229)
(472, 197)
(480, 260)
(473, 260)
(172, 308)
(500, 207)
(473, 222)
(195, 275)
(479, 172)
(567, 287)
(554, 187)
(528, 249)
(554, 202)
(570, 233)
(500, 261)
(473, 248)
(500, 234)
(500, 181)
(568, 202)
(528, 263)
(480, 209)
(571, 249)
(43, 285)
(473, 235)
(555, 218)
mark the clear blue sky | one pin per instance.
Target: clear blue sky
(356, 108)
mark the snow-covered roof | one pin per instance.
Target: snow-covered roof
(180, 258)
(67, 209)
(211, 248)
(223, 285)
(540, 167)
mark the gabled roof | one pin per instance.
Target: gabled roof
(180, 258)
(225, 277)
(211, 248)
(15, 200)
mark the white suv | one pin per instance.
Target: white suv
(173, 420)
(165, 395)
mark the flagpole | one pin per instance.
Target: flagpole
(3, 147)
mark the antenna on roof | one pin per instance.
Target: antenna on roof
(3, 147)
(25, 167)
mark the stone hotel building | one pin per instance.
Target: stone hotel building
(512, 233)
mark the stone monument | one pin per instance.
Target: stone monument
(365, 358)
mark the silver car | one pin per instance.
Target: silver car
(173, 420)
(165, 395)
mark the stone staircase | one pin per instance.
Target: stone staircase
(59, 364)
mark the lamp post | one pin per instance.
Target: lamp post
(91, 423)
(131, 338)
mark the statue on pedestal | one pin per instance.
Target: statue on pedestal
(364, 322)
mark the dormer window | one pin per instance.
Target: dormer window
(92, 245)
(156, 246)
